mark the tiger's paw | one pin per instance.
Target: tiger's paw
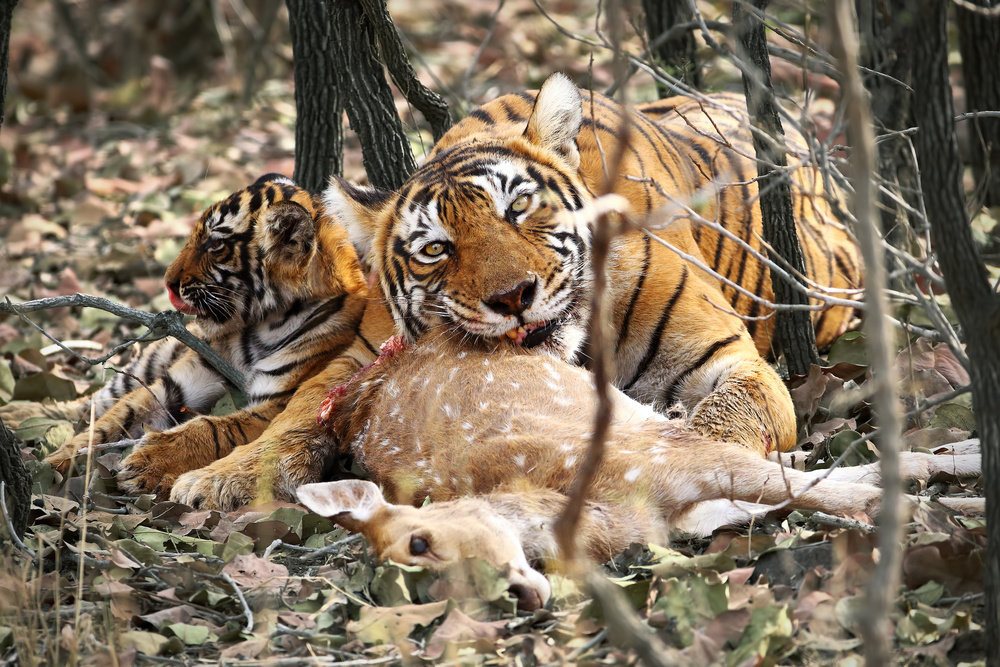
(226, 485)
(62, 459)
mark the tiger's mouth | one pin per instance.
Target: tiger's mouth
(533, 334)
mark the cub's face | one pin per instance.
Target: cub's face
(486, 239)
(247, 256)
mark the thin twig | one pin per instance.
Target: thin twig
(877, 630)
(10, 525)
(840, 522)
(166, 323)
(247, 613)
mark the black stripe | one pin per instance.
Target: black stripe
(657, 335)
(670, 395)
(647, 255)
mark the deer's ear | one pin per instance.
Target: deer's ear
(358, 208)
(557, 117)
(352, 503)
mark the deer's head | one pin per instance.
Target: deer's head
(435, 536)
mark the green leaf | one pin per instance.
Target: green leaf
(6, 638)
(139, 552)
(851, 348)
(44, 385)
(858, 455)
(290, 516)
(192, 635)
(6, 383)
(230, 402)
(35, 428)
(953, 415)
(691, 602)
(392, 625)
(767, 633)
(237, 544)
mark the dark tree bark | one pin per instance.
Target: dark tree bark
(17, 481)
(678, 55)
(979, 42)
(885, 49)
(12, 471)
(976, 304)
(319, 132)
(793, 328)
(427, 102)
(367, 97)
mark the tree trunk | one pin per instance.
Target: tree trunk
(367, 97)
(979, 42)
(975, 303)
(885, 50)
(793, 328)
(319, 133)
(18, 483)
(12, 471)
(678, 56)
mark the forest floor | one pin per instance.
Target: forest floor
(100, 200)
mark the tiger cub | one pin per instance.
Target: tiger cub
(276, 288)
(488, 238)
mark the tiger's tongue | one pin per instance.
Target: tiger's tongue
(179, 303)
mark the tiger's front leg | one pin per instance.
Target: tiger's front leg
(160, 458)
(290, 452)
(189, 386)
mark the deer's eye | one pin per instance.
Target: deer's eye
(418, 546)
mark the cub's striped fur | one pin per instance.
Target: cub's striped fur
(277, 290)
(479, 240)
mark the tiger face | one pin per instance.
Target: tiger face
(249, 256)
(482, 240)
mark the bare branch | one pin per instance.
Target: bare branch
(166, 323)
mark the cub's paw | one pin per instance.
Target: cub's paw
(62, 459)
(226, 484)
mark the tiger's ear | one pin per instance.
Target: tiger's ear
(557, 117)
(358, 208)
(289, 231)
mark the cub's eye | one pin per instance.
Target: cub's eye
(216, 245)
(418, 546)
(434, 249)
(520, 204)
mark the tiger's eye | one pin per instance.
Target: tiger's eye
(433, 249)
(418, 546)
(520, 204)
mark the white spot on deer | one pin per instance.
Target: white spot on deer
(422, 463)
(519, 460)
(566, 447)
(394, 451)
(467, 426)
(416, 444)
(488, 377)
(427, 381)
(384, 443)
(633, 474)
(486, 362)
(515, 385)
(483, 405)
(562, 401)
(461, 355)
(437, 479)
(570, 461)
(447, 409)
(552, 385)
(659, 460)
(468, 482)
(393, 389)
(470, 438)
(625, 451)
(364, 385)
(451, 376)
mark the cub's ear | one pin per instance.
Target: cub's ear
(358, 208)
(289, 232)
(557, 117)
(352, 503)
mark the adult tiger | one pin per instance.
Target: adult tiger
(276, 288)
(475, 241)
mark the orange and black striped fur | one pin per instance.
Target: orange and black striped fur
(479, 240)
(276, 290)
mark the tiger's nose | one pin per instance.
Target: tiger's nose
(514, 301)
